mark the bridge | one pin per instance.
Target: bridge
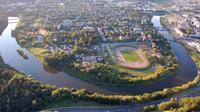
(171, 40)
(13, 18)
(13, 22)
(189, 39)
(160, 29)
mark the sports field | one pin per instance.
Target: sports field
(131, 56)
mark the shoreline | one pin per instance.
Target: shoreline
(4, 18)
(3, 23)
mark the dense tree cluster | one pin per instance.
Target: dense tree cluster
(59, 59)
(103, 73)
(187, 104)
(21, 93)
(167, 91)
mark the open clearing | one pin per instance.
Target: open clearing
(131, 56)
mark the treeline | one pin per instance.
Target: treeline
(59, 59)
(102, 73)
(21, 93)
(187, 104)
(167, 91)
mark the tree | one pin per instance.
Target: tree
(173, 103)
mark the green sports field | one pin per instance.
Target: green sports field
(131, 56)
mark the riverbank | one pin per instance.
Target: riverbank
(187, 104)
(61, 80)
(22, 53)
(167, 22)
(4, 14)
(3, 23)
(149, 77)
(193, 53)
(71, 97)
(37, 70)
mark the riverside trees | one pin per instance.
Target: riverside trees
(21, 93)
(187, 104)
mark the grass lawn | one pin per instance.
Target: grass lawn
(39, 52)
(131, 56)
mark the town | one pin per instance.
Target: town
(140, 55)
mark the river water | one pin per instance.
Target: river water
(33, 67)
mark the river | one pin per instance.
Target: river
(33, 67)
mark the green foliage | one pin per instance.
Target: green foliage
(149, 108)
(61, 93)
(187, 104)
(167, 91)
(59, 59)
(173, 103)
(21, 93)
(102, 72)
(24, 94)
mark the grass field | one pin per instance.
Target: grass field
(39, 52)
(131, 56)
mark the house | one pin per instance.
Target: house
(179, 32)
(100, 58)
(65, 24)
(194, 45)
(43, 32)
(157, 54)
(55, 39)
(137, 30)
(88, 29)
(89, 59)
(39, 39)
(194, 22)
(51, 48)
